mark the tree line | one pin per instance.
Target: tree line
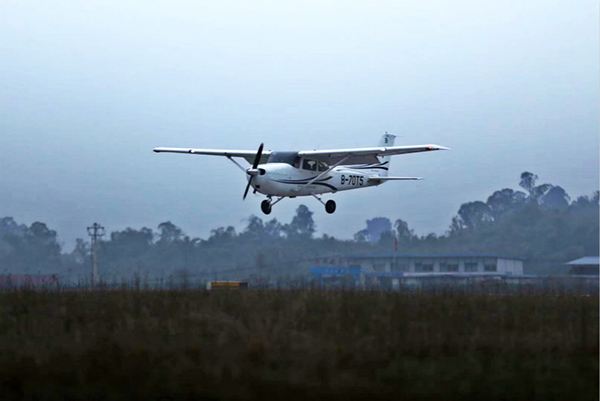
(539, 223)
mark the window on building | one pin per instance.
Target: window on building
(400, 267)
(470, 267)
(423, 267)
(449, 267)
(489, 267)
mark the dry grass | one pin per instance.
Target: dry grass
(195, 345)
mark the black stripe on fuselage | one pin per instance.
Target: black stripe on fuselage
(304, 180)
(369, 168)
(320, 182)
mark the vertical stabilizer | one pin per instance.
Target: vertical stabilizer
(386, 140)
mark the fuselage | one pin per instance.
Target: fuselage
(282, 179)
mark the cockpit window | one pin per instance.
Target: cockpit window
(290, 158)
(314, 165)
(309, 165)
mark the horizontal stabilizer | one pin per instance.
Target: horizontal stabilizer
(383, 179)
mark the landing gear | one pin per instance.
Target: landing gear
(330, 206)
(265, 206)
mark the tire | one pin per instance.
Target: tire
(265, 206)
(330, 206)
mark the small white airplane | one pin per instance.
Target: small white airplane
(313, 172)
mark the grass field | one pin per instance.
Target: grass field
(196, 345)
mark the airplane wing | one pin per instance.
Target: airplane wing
(365, 155)
(246, 154)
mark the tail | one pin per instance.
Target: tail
(385, 141)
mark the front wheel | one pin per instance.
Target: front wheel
(330, 206)
(265, 206)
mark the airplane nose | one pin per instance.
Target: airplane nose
(256, 171)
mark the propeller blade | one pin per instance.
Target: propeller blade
(247, 188)
(254, 166)
(258, 156)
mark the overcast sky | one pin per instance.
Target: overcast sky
(88, 88)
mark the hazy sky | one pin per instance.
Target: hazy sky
(88, 88)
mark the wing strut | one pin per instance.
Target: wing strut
(237, 164)
(328, 170)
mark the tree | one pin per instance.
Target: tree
(8, 226)
(169, 233)
(536, 192)
(273, 229)
(403, 233)
(81, 252)
(375, 228)
(302, 225)
(540, 191)
(472, 215)
(387, 238)
(34, 250)
(255, 228)
(555, 198)
(43, 245)
(587, 201)
(222, 234)
(361, 236)
(505, 200)
(129, 243)
(528, 181)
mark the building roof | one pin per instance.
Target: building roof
(585, 261)
(390, 255)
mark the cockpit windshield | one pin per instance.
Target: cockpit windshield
(290, 158)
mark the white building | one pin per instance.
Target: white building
(430, 265)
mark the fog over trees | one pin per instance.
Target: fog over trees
(539, 223)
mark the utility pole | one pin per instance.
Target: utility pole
(95, 231)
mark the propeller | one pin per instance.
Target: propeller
(253, 171)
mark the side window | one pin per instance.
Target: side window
(309, 165)
(323, 166)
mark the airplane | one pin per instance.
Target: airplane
(313, 172)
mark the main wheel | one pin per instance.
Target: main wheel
(265, 206)
(330, 206)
